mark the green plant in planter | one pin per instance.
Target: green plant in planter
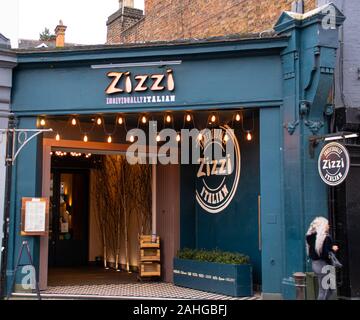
(216, 255)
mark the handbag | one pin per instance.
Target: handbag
(334, 261)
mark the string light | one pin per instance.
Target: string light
(57, 137)
(42, 122)
(249, 131)
(168, 119)
(249, 136)
(73, 154)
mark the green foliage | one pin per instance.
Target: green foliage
(213, 256)
(46, 35)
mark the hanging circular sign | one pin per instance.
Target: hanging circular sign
(219, 169)
(334, 163)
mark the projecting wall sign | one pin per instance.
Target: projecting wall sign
(334, 163)
(218, 179)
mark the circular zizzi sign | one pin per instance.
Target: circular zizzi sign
(334, 163)
(218, 175)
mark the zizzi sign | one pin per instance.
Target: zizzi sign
(334, 163)
(219, 170)
(126, 82)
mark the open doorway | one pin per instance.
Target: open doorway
(100, 205)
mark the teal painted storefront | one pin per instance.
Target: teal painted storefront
(285, 80)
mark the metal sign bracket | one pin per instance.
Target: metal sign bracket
(20, 138)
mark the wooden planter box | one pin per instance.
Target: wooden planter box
(228, 279)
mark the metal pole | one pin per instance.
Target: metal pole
(6, 226)
(300, 285)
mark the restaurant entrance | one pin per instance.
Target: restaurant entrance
(99, 206)
(68, 223)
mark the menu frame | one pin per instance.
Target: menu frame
(44, 231)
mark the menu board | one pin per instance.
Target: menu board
(35, 212)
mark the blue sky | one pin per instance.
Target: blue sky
(85, 19)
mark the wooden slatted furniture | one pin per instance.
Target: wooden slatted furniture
(149, 260)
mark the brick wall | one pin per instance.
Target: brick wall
(173, 19)
(120, 21)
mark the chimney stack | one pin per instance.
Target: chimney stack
(123, 19)
(60, 34)
(126, 3)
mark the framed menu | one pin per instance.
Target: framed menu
(34, 216)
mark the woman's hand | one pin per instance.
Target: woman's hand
(335, 248)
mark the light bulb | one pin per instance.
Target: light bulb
(213, 118)
(158, 138)
(200, 136)
(226, 138)
(109, 139)
(168, 119)
(57, 137)
(120, 120)
(178, 137)
(237, 117)
(73, 121)
(188, 118)
(249, 136)
(42, 122)
(143, 120)
(132, 139)
(99, 121)
(86, 138)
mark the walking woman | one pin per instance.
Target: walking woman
(319, 245)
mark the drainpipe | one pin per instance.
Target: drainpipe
(153, 220)
(298, 6)
(341, 71)
(6, 225)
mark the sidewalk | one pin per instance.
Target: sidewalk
(153, 291)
